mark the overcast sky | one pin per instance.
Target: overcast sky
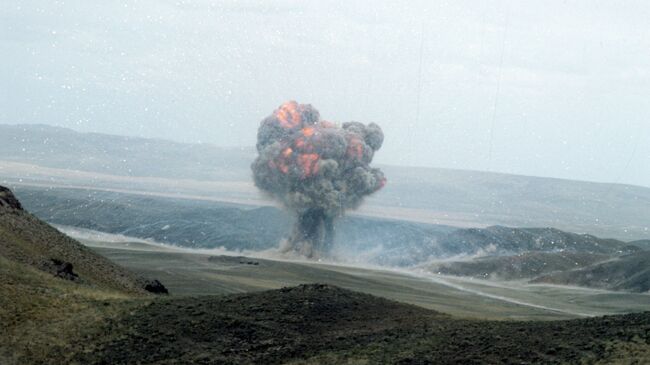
(547, 88)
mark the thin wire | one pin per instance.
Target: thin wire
(417, 108)
(419, 91)
(498, 89)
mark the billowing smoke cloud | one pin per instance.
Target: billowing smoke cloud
(316, 169)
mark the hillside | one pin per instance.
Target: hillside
(321, 324)
(500, 240)
(24, 239)
(42, 314)
(644, 244)
(630, 272)
(62, 157)
(526, 265)
(53, 290)
(8, 200)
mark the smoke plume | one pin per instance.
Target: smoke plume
(316, 169)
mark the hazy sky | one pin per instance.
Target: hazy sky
(551, 88)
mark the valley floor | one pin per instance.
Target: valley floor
(190, 272)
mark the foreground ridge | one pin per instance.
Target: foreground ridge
(324, 324)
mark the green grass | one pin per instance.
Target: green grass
(41, 315)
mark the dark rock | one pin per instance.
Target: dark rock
(156, 287)
(8, 199)
(60, 268)
(249, 262)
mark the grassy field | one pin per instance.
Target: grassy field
(42, 317)
(190, 274)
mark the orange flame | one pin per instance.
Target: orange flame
(289, 115)
(300, 143)
(287, 152)
(309, 164)
(281, 162)
(308, 131)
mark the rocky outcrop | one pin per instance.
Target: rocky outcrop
(155, 287)
(59, 268)
(27, 240)
(8, 200)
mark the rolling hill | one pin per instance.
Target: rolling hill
(527, 265)
(66, 149)
(504, 240)
(644, 244)
(51, 156)
(53, 290)
(198, 224)
(201, 224)
(629, 272)
(26, 240)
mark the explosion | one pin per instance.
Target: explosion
(316, 169)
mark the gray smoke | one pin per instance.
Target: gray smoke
(316, 169)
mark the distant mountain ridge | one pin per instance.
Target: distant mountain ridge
(432, 195)
(120, 155)
(198, 224)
